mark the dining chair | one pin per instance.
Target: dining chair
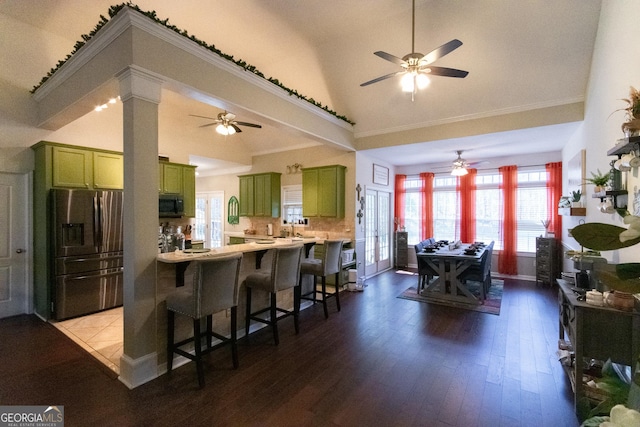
(481, 272)
(283, 274)
(211, 286)
(330, 263)
(425, 271)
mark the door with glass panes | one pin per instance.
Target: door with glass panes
(209, 221)
(377, 231)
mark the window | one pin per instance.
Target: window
(488, 208)
(531, 207)
(445, 208)
(292, 205)
(531, 204)
(412, 209)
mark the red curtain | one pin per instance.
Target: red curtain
(399, 201)
(507, 258)
(554, 192)
(426, 200)
(466, 189)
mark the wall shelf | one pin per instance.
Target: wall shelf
(624, 146)
(572, 211)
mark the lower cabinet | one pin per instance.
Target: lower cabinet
(401, 248)
(547, 260)
(593, 332)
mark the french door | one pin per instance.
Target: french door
(209, 222)
(377, 231)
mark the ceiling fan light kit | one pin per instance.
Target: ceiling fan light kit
(225, 129)
(416, 66)
(460, 165)
(226, 123)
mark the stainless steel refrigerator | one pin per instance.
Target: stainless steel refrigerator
(87, 251)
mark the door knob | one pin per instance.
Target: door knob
(19, 251)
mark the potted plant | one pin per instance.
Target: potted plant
(600, 180)
(575, 198)
(632, 125)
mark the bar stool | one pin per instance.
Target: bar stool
(211, 286)
(283, 274)
(331, 263)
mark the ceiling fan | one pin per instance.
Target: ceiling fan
(226, 123)
(416, 66)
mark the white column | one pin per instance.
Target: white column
(140, 95)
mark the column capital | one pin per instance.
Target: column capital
(136, 82)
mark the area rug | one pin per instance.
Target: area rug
(491, 303)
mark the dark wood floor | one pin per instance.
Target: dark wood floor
(380, 361)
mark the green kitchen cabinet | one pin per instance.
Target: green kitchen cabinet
(323, 191)
(189, 190)
(260, 195)
(74, 167)
(246, 206)
(170, 178)
(108, 171)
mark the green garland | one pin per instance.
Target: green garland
(113, 11)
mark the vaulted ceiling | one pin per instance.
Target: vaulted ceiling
(525, 60)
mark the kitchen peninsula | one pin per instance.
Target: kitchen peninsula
(170, 273)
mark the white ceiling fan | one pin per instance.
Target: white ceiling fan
(416, 67)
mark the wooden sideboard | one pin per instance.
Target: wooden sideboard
(599, 333)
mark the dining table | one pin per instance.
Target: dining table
(449, 262)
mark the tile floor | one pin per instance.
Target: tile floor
(101, 334)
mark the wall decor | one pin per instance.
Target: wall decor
(380, 175)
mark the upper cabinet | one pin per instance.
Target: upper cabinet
(260, 195)
(323, 191)
(189, 190)
(176, 178)
(170, 178)
(71, 167)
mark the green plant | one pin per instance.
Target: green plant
(576, 195)
(633, 111)
(600, 179)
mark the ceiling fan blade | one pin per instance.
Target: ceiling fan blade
(447, 72)
(382, 78)
(203, 117)
(389, 57)
(251, 125)
(210, 124)
(441, 51)
(238, 130)
(229, 116)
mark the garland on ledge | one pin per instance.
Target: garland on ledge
(113, 11)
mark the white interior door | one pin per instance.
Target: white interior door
(14, 235)
(377, 231)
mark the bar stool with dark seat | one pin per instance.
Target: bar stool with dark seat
(283, 274)
(331, 263)
(211, 286)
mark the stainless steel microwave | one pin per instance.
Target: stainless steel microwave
(171, 206)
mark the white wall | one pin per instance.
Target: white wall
(614, 69)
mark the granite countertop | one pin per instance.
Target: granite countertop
(178, 256)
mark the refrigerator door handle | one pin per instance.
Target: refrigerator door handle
(97, 233)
